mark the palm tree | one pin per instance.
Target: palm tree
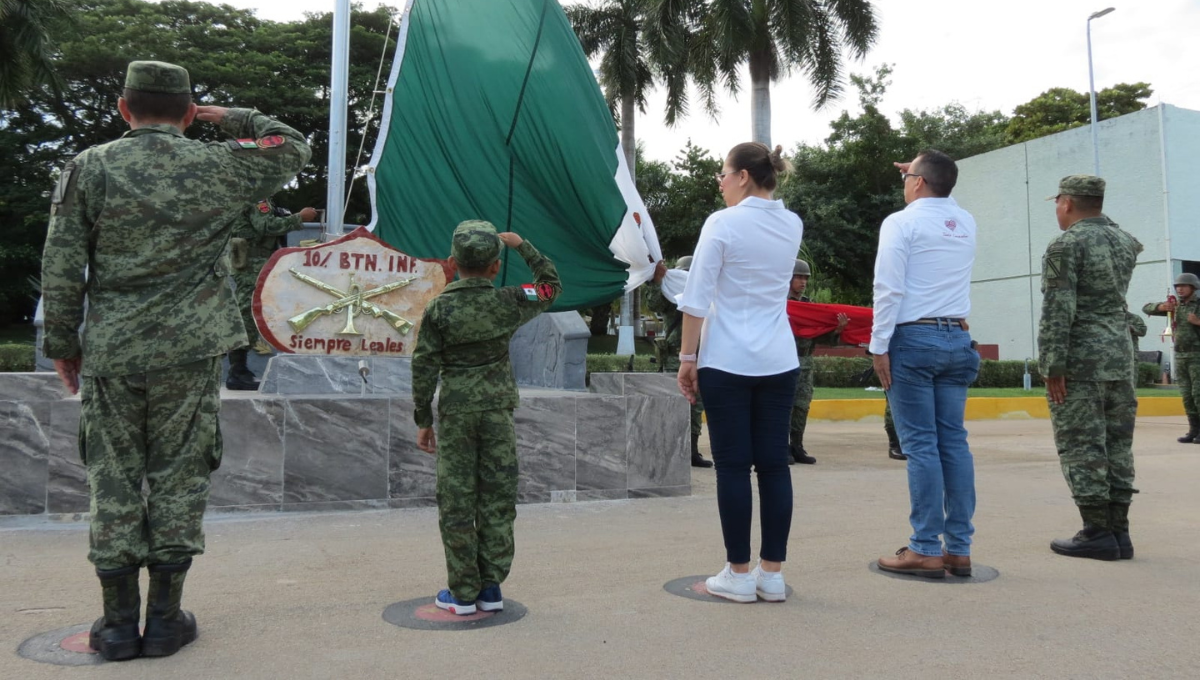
(25, 46)
(615, 28)
(774, 37)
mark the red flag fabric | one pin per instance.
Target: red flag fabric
(811, 319)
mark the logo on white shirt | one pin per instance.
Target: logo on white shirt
(951, 225)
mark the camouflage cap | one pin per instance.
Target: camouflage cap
(475, 244)
(157, 76)
(684, 263)
(1079, 185)
(801, 269)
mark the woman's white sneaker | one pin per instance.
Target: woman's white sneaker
(731, 586)
(769, 585)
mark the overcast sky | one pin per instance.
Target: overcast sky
(985, 55)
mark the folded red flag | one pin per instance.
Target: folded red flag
(812, 319)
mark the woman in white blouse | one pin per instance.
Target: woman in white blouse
(736, 297)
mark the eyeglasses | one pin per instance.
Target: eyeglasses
(905, 175)
(721, 175)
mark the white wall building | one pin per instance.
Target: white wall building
(1151, 161)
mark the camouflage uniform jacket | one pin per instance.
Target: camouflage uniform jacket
(1083, 333)
(1137, 329)
(1186, 334)
(150, 216)
(672, 317)
(464, 338)
(261, 227)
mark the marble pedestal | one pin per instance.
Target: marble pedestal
(336, 452)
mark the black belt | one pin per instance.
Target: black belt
(938, 322)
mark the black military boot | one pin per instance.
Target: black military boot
(115, 635)
(1193, 433)
(697, 459)
(167, 626)
(894, 451)
(796, 449)
(240, 376)
(1095, 541)
(1118, 518)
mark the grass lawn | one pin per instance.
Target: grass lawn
(860, 393)
(20, 334)
(607, 344)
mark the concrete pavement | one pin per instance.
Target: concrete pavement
(301, 596)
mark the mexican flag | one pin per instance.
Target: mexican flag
(493, 113)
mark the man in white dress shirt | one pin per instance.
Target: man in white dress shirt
(924, 358)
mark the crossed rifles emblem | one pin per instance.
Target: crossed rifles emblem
(355, 301)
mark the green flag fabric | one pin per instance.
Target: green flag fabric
(493, 113)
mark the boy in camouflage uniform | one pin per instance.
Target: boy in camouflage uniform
(1086, 359)
(150, 216)
(464, 338)
(1186, 336)
(668, 346)
(254, 240)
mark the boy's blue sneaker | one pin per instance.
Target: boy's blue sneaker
(446, 600)
(490, 599)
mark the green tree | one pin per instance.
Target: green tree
(775, 38)
(26, 49)
(631, 62)
(689, 195)
(1062, 108)
(234, 59)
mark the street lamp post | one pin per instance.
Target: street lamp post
(1092, 87)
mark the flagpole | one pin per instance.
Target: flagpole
(338, 96)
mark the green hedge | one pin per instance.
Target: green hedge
(15, 358)
(852, 371)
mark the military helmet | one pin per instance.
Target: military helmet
(1188, 279)
(684, 263)
(801, 269)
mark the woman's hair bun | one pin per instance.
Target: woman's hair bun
(778, 162)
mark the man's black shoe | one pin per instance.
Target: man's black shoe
(1095, 543)
(799, 455)
(700, 462)
(895, 453)
(1124, 544)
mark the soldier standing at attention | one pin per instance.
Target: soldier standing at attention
(804, 351)
(149, 216)
(1137, 329)
(673, 318)
(1086, 360)
(1186, 336)
(464, 339)
(254, 240)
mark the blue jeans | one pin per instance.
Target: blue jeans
(932, 366)
(748, 418)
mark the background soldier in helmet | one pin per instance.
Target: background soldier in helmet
(254, 239)
(1186, 318)
(668, 345)
(804, 382)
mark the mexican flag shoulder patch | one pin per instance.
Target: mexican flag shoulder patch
(530, 291)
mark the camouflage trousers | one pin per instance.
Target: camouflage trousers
(477, 498)
(244, 280)
(1093, 432)
(804, 396)
(160, 428)
(1187, 375)
(670, 366)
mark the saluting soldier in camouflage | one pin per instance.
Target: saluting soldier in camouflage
(255, 238)
(668, 346)
(1186, 335)
(1086, 359)
(804, 350)
(464, 338)
(149, 218)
